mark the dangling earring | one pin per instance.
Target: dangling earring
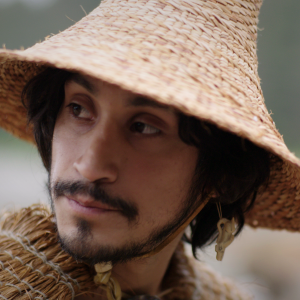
(226, 229)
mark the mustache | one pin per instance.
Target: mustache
(71, 188)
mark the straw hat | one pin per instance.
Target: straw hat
(198, 56)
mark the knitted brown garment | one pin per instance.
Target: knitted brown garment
(33, 266)
(194, 280)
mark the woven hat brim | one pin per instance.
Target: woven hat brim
(199, 80)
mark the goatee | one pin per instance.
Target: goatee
(82, 246)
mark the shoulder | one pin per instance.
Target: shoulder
(213, 286)
(32, 263)
(194, 280)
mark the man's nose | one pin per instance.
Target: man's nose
(99, 159)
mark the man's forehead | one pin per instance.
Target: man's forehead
(94, 86)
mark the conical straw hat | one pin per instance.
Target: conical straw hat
(196, 55)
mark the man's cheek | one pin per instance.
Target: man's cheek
(65, 222)
(62, 162)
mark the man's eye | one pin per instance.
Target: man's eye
(79, 111)
(144, 128)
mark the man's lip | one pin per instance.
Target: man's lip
(88, 203)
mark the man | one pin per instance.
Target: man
(149, 117)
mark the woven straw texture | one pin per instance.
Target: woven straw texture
(196, 55)
(33, 266)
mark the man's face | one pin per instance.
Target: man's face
(120, 174)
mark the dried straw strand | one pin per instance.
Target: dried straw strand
(32, 264)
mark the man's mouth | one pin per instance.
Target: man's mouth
(89, 202)
(90, 199)
(85, 205)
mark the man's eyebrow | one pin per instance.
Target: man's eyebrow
(85, 83)
(138, 100)
(141, 100)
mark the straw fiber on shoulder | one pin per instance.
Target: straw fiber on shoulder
(198, 56)
(213, 286)
(32, 263)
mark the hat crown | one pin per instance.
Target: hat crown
(223, 19)
(199, 32)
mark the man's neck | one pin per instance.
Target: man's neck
(143, 276)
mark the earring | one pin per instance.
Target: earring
(226, 229)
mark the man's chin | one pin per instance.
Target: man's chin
(80, 243)
(84, 249)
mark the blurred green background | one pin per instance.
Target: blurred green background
(25, 22)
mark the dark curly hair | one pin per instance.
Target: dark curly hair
(230, 166)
